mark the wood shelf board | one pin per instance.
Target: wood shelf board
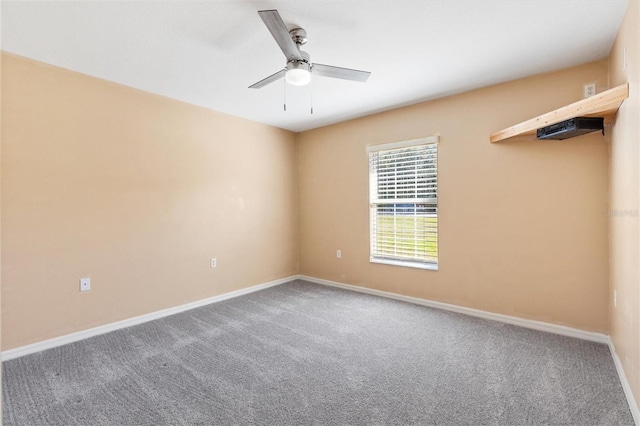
(603, 104)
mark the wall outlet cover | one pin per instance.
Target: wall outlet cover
(85, 284)
(589, 90)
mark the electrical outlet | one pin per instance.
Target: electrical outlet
(214, 263)
(589, 90)
(85, 284)
(615, 299)
(339, 254)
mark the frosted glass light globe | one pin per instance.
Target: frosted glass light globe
(298, 77)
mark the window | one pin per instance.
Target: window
(403, 201)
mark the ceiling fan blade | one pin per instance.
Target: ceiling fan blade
(338, 72)
(278, 30)
(273, 77)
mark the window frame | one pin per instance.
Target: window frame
(407, 262)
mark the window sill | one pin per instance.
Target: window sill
(417, 265)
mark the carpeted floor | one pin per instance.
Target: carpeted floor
(302, 353)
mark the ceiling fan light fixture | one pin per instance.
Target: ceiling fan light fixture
(298, 73)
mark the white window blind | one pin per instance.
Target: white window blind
(403, 199)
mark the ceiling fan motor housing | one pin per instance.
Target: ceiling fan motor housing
(298, 65)
(306, 58)
(303, 64)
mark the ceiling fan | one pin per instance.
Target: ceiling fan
(299, 67)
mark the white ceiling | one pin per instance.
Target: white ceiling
(208, 52)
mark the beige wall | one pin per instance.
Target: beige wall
(137, 192)
(624, 190)
(0, 216)
(522, 225)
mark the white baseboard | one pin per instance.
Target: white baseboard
(85, 334)
(536, 325)
(633, 405)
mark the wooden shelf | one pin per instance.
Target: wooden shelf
(603, 104)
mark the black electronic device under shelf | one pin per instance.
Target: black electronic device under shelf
(571, 128)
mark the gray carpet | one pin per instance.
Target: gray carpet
(301, 353)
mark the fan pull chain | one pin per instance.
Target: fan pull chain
(285, 95)
(311, 93)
